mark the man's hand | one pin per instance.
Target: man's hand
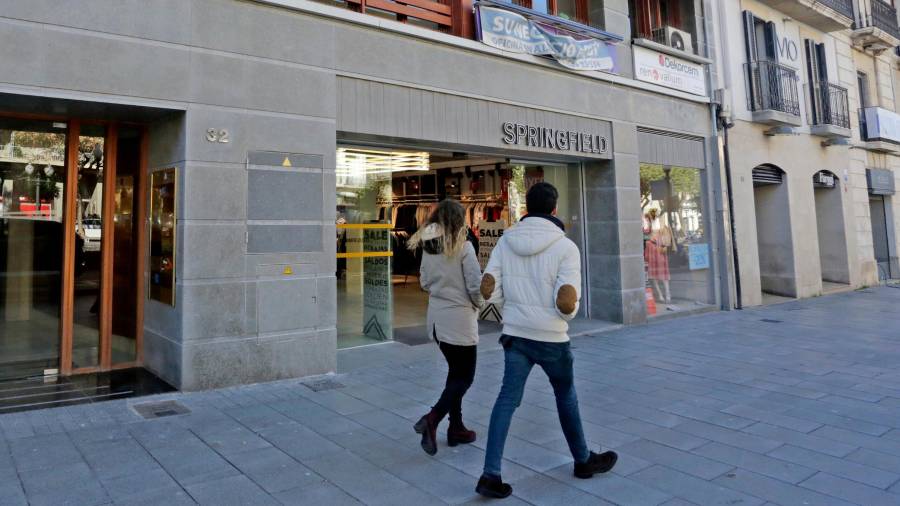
(487, 286)
(566, 298)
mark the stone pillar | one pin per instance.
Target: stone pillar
(615, 250)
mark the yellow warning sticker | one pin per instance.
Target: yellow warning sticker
(287, 270)
(286, 162)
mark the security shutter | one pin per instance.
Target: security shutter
(767, 175)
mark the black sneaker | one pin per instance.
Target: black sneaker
(492, 487)
(596, 463)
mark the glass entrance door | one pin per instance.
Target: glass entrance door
(70, 247)
(32, 180)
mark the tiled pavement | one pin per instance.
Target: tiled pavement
(792, 404)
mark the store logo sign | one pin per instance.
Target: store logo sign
(669, 71)
(519, 134)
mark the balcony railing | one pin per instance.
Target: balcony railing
(878, 14)
(844, 7)
(677, 38)
(829, 105)
(439, 15)
(772, 87)
(877, 124)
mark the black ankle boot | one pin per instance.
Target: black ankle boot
(427, 427)
(458, 434)
(596, 464)
(493, 487)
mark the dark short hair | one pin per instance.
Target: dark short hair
(541, 198)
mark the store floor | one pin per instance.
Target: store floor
(410, 306)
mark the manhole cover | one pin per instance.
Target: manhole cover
(769, 320)
(151, 410)
(323, 384)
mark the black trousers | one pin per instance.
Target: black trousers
(461, 373)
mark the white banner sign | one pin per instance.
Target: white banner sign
(517, 34)
(882, 124)
(669, 71)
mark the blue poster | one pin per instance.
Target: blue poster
(515, 33)
(698, 256)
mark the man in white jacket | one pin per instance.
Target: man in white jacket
(534, 274)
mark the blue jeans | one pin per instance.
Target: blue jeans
(556, 361)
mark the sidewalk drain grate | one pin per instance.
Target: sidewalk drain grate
(151, 410)
(769, 320)
(323, 384)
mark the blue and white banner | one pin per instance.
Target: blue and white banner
(517, 34)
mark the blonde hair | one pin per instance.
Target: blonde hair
(450, 216)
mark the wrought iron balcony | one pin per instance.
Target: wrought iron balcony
(825, 15)
(829, 110)
(876, 25)
(772, 94)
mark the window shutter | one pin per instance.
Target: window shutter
(821, 62)
(771, 41)
(812, 76)
(750, 36)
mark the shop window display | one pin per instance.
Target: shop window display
(676, 247)
(384, 196)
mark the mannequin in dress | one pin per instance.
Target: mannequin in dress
(656, 254)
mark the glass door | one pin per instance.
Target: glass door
(70, 246)
(32, 179)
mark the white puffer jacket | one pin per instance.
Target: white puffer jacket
(530, 263)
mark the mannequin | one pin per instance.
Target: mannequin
(656, 254)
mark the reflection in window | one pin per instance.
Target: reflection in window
(676, 248)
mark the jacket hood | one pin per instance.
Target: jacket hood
(530, 237)
(431, 238)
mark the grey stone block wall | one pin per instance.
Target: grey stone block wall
(615, 248)
(274, 78)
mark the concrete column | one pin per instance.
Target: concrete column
(614, 252)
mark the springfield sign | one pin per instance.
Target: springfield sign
(517, 34)
(669, 71)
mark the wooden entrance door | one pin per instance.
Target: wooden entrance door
(73, 243)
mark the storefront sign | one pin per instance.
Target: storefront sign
(519, 134)
(698, 256)
(377, 287)
(881, 181)
(489, 233)
(669, 71)
(881, 124)
(517, 34)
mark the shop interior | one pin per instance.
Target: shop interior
(385, 195)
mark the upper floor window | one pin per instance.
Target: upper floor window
(587, 12)
(668, 22)
(862, 81)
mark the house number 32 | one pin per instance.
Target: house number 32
(217, 135)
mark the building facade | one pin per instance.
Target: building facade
(219, 190)
(810, 104)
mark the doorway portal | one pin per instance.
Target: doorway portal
(70, 236)
(833, 257)
(773, 232)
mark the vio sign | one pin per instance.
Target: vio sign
(788, 50)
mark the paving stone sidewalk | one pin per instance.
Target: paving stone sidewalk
(792, 404)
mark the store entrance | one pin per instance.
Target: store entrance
(385, 195)
(879, 217)
(69, 247)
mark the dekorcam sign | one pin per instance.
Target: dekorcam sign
(517, 34)
(666, 70)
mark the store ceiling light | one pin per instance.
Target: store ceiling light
(352, 161)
